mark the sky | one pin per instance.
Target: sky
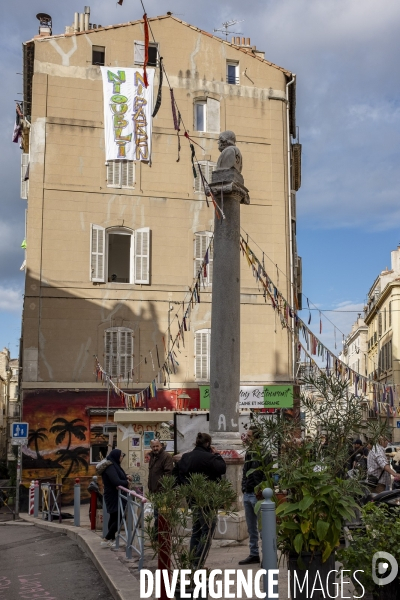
(345, 55)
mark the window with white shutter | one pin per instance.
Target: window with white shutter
(207, 167)
(120, 255)
(202, 354)
(118, 352)
(142, 256)
(153, 54)
(97, 244)
(202, 242)
(121, 174)
(24, 173)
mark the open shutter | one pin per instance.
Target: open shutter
(213, 116)
(202, 350)
(210, 168)
(139, 53)
(198, 183)
(24, 184)
(97, 244)
(142, 255)
(114, 173)
(201, 243)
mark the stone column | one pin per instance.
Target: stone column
(227, 186)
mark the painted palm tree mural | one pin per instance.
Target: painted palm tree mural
(36, 436)
(75, 458)
(68, 429)
(64, 428)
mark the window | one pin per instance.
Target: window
(24, 176)
(202, 354)
(120, 255)
(384, 320)
(207, 115)
(390, 314)
(200, 116)
(139, 54)
(121, 174)
(232, 72)
(380, 324)
(202, 241)
(118, 352)
(207, 167)
(98, 55)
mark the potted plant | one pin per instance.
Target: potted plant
(177, 506)
(311, 460)
(380, 533)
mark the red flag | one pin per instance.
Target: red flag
(146, 49)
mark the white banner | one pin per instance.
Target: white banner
(128, 106)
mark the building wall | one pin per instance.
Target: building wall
(65, 314)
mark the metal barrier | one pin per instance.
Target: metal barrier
(5, 494)
(51, 501)
(131, 523)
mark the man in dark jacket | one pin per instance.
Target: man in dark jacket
(160, 464)
(249, 482)
(203, 459)
(113, 476)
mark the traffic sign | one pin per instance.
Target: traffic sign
(398, 424)
(19, 441)
(19, 431)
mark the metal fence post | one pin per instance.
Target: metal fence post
(93, 509)
(129, 526)
(268, 528)
(105, 518)
(141, 539)
(36, 499)
(77, 503)
(31, 497)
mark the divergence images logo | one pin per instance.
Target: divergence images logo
(387, 565)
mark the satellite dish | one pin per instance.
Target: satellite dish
(43, 17)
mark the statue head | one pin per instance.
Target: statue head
(226, 138)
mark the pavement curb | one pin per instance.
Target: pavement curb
(122, 584)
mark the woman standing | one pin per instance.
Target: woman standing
(113, 476)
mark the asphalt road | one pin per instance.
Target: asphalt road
(36, 564)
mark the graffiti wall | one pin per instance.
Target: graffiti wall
(66, 437)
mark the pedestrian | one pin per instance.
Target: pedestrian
(379, 470)
(160, 465)
(359, 455)
(252, 476)
(206, 460)
(113, 476)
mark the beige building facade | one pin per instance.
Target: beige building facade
(383, 321)
(9, 401)
(113, 247)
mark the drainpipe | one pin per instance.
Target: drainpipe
(290, 220)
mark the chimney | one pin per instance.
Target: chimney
(87, 17)
(247, 41)
(81, 22)
(76, 22)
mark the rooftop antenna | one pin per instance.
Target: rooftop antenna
(225, 28)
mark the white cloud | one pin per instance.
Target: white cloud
(10, 299)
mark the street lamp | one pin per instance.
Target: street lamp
(183, 398)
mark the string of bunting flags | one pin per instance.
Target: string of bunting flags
(170, 364)
(388, 393)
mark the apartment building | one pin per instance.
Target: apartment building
(382, 320)
(113, 245)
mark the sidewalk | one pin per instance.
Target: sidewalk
(121, 575)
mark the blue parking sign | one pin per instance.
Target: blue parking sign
(398, 424)
(20, 430)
